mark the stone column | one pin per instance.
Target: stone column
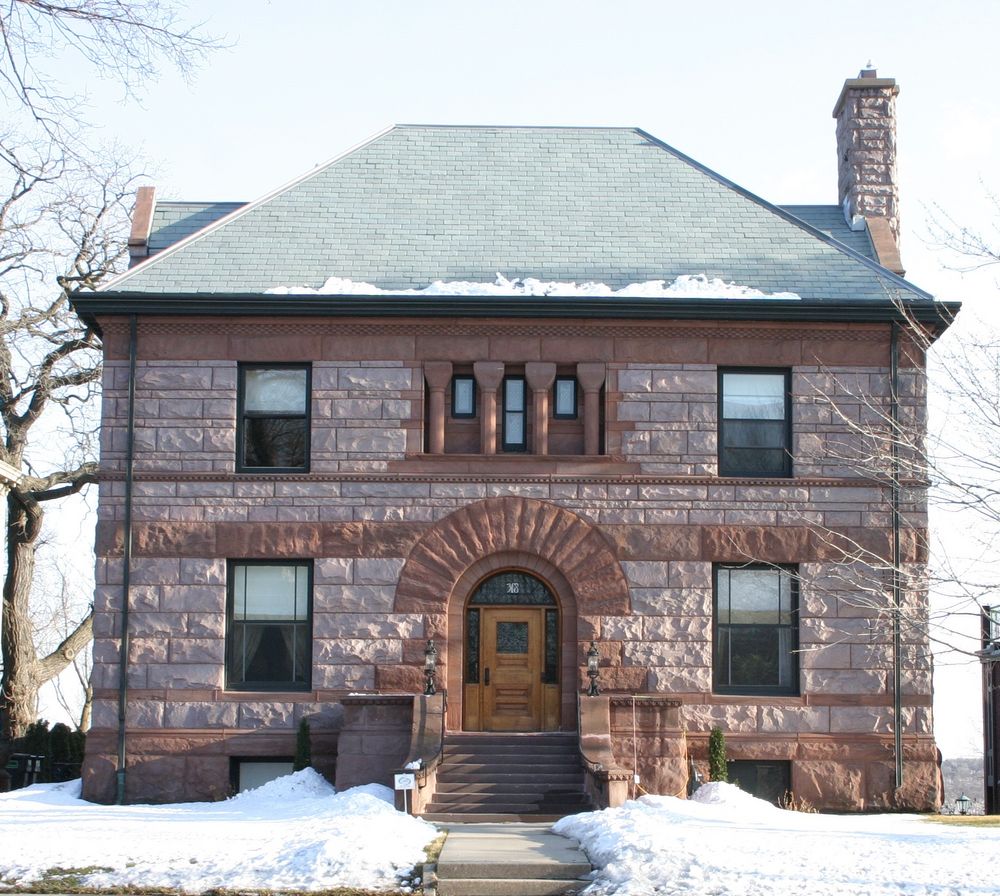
(590, 376)
(540, 376)
(489, 375)
(438, 376)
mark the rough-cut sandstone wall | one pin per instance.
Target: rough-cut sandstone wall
(664, 529)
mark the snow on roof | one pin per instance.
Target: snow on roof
(686, 286)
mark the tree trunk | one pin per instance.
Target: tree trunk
(24, 672)
(18, 690)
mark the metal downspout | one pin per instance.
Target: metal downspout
(897, 646)
(126, 563)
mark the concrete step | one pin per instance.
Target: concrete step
(483, 757)
(477, 769)
(538, 737)
(509, 860)
(562, 783)
(493, 817)
(501, 807)
(482, 886)
(529, 797)
(479, 774)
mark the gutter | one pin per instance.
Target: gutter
(897, 597)
(90, 305)
(126, 565)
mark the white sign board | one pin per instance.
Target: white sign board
(405, 782)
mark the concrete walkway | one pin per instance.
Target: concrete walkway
(509, 860)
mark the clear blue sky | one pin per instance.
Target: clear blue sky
(747, 89)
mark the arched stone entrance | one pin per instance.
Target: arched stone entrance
(565, 551)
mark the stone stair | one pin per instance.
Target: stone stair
(508, 777)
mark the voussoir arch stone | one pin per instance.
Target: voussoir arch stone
(571, 544)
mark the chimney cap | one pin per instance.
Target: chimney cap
(866, 80)
(868, 71)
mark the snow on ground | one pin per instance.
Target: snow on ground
(724, 841)
(293, 833)
(687, 286)
(297, 833)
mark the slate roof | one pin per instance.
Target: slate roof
(830, 220)
(174, 221)
(421, 203)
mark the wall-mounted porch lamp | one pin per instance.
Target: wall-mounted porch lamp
(593, 669)
(430, 668)
(962, 805)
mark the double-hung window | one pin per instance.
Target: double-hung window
(515, 430)
(756, 630)
(269, 626)
(273, 424)
(754, 423)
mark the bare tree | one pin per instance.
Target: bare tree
(121, 40)
(952, 468)
(60, 229)
(63, 219)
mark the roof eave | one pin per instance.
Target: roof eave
(91, 305)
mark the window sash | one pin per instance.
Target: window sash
(269, 626)
(754, 423)
(515, 436)
(273, 429)
(756, 630)
(564, 402)
(463, 397)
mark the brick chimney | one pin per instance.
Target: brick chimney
(866, 155)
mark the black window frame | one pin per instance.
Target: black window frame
(231, 623)
(747, 775)
(726, 467)
(507, 445)
(556, 415)
(719, 683)
(454, 391)
(236, 761)
(242, 415)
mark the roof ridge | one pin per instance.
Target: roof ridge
(523, 127)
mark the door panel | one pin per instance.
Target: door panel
(512, 669)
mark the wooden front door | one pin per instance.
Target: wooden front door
(512, 657)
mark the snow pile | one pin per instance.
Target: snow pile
(725, 841)
(295, 833)
(687, 286)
